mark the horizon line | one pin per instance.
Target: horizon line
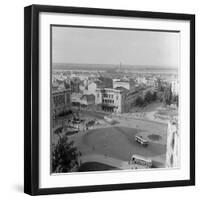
(115, 64)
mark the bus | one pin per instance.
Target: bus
(141, 160)
(141, 140)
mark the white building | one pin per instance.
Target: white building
(141, 80)
(175, 87)
(110, 100)
(173, 144)
(91, 88)
(121, 83)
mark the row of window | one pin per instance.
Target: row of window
(60, 100)
(108, 96)
(108, 101)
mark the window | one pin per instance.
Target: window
(172, 141)
(171, 160)
(68, 99)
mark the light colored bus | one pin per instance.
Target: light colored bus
(141, 140)
(141, 160)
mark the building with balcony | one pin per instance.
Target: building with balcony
(110, 100)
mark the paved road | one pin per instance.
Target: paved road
(109, 161)
(94, 114)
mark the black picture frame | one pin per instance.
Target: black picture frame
(31, 98)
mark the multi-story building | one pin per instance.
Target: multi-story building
(75, 85)
(130, 99)
(91, 88)
(119, 100)
(79, 99)
(173, 144)
(87, 99)
(61, 103)
(141, 80)
(175, 87)
(111, 100)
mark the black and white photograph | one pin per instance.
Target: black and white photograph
(114, 99)
(109, 99)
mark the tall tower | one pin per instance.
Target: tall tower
(120, 67)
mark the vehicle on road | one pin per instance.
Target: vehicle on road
(141, 160)
(141, 140)
(110, 120)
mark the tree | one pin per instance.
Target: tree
(168, 95)
(148, 97)
(139, 101)
(64, 156)
(175, 100)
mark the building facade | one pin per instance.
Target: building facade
(61, 102)
(121, 83)
(75, 85)
(173, 143)
(91, 89)
(175, 87)
(141, 80)
(110, 99)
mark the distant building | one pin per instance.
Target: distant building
(173, 141)
(151, 82)
(175, 87)
(91, 88)
(141, 80)
(61, 102)
(110, 99)
(82, 88)
(76, 99)
(119, 100)
(75, 85)
(130, 99)
(55, 85)
(67, 84)
(121, 83)
(106, 82)
(87, 99)
(79, 99)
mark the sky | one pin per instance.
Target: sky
(112, 46)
